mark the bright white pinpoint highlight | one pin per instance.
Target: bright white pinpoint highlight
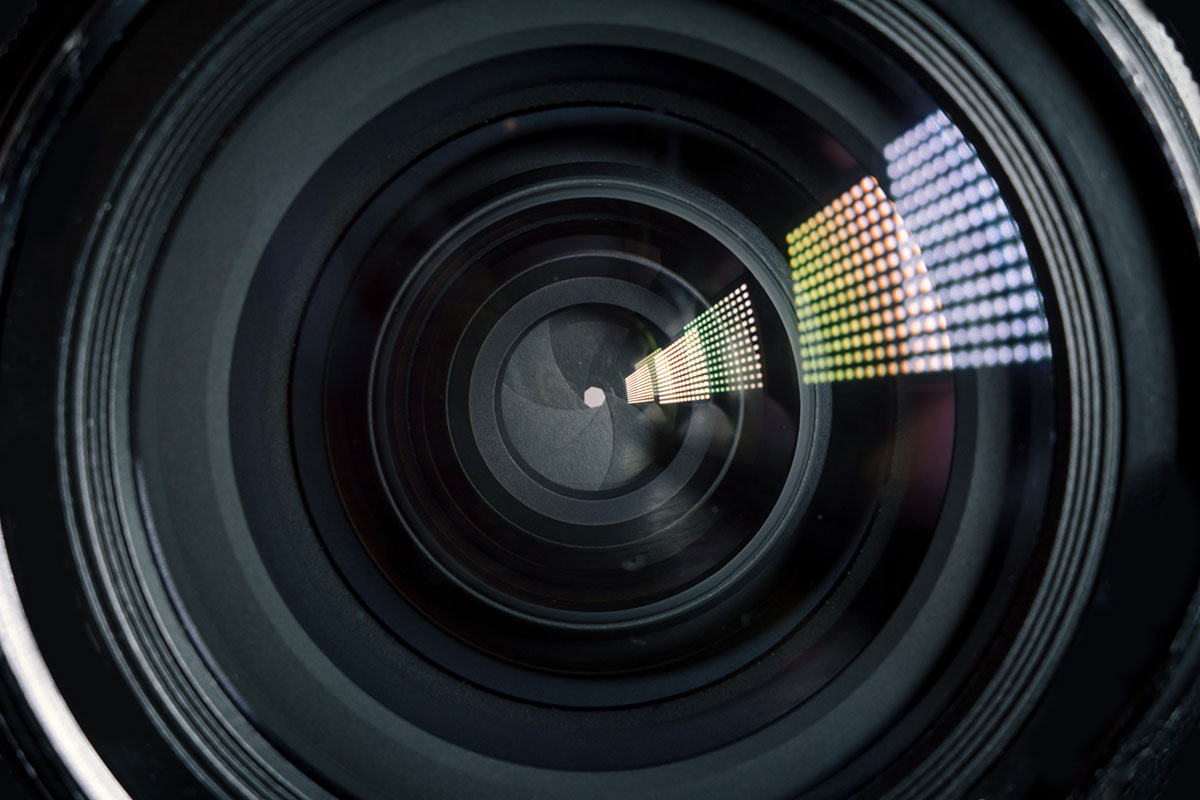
(593, 397)
(717, 352)
(933, 278)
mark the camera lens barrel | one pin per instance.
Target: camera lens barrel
(684, 399)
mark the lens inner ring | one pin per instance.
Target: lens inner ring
(485, 417)
(596, 524)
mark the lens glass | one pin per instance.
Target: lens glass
(581, 381)
(637, 404)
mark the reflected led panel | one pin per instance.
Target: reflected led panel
(865, 304)
(717, 352)
(934, 277)
(971, 245)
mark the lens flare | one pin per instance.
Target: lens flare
(717, 352)
(934, 278)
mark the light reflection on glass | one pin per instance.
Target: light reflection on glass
(865, 303)
(972, 246)
(717, 352)
(933, 278)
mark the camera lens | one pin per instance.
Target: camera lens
(681, 399)
(511, 455)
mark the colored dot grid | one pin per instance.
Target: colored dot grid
(865, 304)
(972, 246)
(935, 279)
(717, 352)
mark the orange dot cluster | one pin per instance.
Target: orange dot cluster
(865, 303)
(639, 386)
(681, 371)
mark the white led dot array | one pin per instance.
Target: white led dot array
(971, 246)
(639, 387)
(718, 351)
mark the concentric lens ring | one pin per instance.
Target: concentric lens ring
(96, 427)
(486, 376)
(551, 524)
